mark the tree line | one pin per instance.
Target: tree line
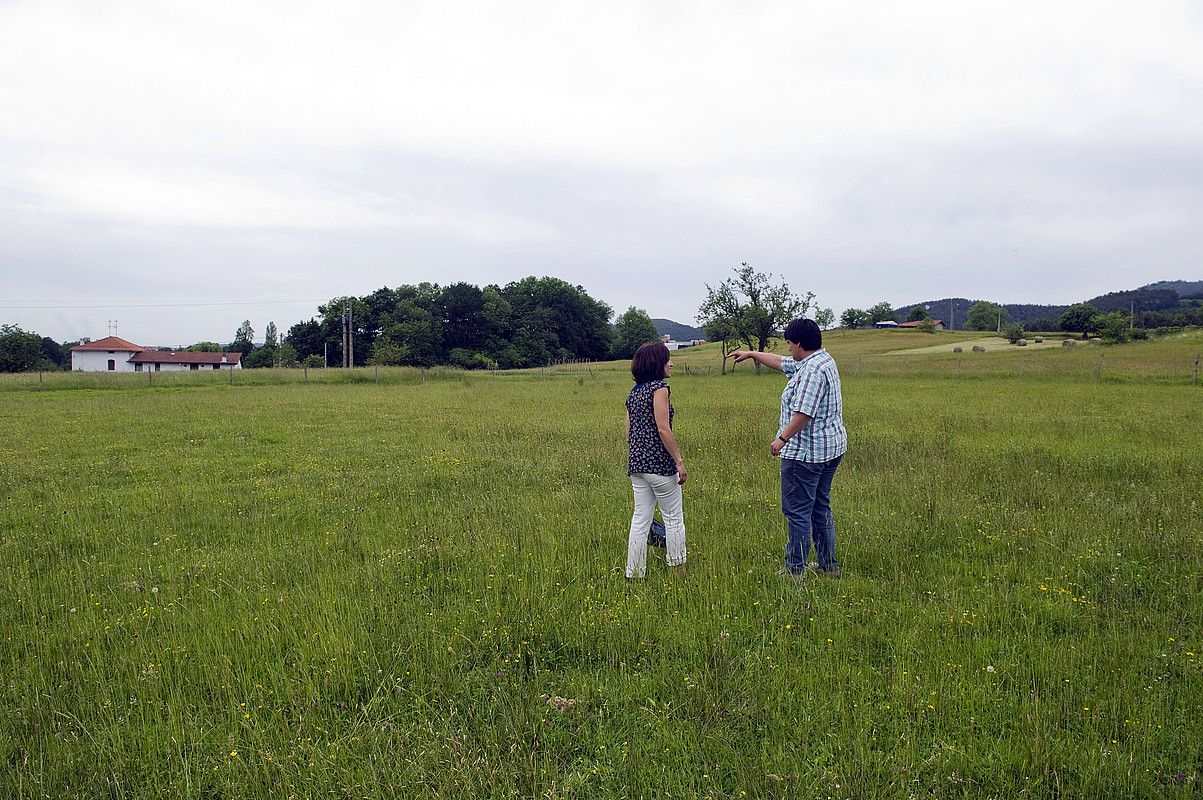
(527, 323)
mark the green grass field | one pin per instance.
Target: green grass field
(406, 584)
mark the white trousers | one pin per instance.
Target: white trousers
(650, 491)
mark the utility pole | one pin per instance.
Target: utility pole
(1000, 319)
(348, 338)
(952, 315)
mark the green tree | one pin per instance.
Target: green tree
(824, 318)
(553, 320)
(203, 347)
(270, 337)
(463, 316)
(1013, 332)
(853, 317)
(243, 339)
(388, 352)
(52, 352)
(1114, 327)
(1079, 318)
(496, 322)
(927, 325)
(756, 307)
(306, 338)
(260, 358)
(881, 312)
(632, 328)
(725, 332)
(986, 316)
(918, 314)
(286, 355)
(20, 350)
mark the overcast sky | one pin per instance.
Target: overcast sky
(252, 159)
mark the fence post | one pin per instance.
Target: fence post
(1194, 376)
(1098, 370)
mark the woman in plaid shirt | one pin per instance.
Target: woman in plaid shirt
(810, 442)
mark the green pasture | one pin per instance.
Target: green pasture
(364, 584)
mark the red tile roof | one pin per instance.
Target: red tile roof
(110, 343)
(160, 357)
(918, 323)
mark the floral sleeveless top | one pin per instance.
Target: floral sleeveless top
(647, 452)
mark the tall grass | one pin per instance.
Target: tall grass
(414, 587)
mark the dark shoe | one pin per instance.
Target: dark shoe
(657, 536)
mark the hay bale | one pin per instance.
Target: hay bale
(1039, 340)
(1021, 342)
(977, 348)
(958, 349)
(1068, 343)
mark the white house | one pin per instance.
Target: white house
(110, 354)
(114, 354)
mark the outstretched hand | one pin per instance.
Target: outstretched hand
(740, 355)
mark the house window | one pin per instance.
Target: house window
(217, 366)
(112, 365)
(194, 366)
(156, 367)
(137, 367)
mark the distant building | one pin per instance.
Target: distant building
(886, 323)
(937, 323)
(114, 354)
(672, 345)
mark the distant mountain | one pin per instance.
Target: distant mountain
(1185, 289)
(1160, 296)
(676, 331)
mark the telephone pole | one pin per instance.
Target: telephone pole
(348, 337)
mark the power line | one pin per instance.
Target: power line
(130, 304)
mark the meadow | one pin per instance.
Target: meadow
(397, 583)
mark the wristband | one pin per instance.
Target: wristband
(783, 440)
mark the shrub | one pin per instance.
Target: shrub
(469, 359)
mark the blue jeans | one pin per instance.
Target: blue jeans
(806, 503)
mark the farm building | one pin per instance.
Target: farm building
(886, 323)
(937, 323)
(114, 354)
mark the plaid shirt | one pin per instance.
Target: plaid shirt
(813, 390)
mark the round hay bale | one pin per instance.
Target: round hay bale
(958, 349)
(977, 348)
(1021, 342)
(1039, 340)
(1068, 343)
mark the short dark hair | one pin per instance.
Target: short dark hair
(649, 362)
(804, 332)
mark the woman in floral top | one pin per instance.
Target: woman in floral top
(654, 461)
